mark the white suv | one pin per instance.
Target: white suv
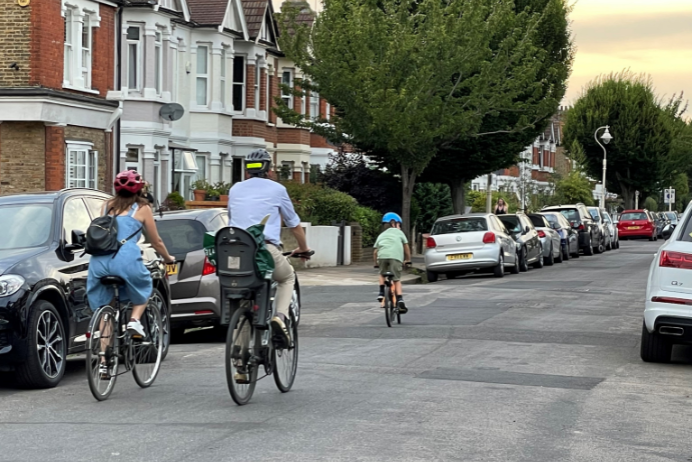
(668, 309)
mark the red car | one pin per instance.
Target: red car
(637, 223)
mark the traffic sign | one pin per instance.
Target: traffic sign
(669, 196)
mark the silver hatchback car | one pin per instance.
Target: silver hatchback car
(461, 244)
(195, 288)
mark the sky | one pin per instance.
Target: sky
(646, 36)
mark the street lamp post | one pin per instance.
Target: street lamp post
(606, 137)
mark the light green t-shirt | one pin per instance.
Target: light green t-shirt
(390, 244)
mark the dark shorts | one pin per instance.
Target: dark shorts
(389, 265)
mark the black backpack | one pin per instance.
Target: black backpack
(102, 236)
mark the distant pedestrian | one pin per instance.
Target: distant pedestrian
(146, 194)
(500, 207)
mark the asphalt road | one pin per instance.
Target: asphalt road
(541, 366)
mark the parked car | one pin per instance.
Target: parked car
(580, 219)
(673, 217)
(606, 242)
(195, 290)
(461, 244)
(550, 239)
(569, 237)
(528, 243)
(637, 224)
(660, 221)
(667, 312)
(612, 227)
(44, 312)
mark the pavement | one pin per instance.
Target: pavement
(538, 367)
(357, 274)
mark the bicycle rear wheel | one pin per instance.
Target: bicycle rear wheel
(241, 367)
(388, 306)
(101, 348)
(286, 360)
(147, 353)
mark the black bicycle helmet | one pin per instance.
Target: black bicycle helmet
(258, 162)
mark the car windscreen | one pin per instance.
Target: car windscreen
(594, 214)
(634, 216)
(672, 216)
(571, 214)
(29, 225)
(512, 224)
(460, 225)
(537, 221)
(552, 219)
(181, 236)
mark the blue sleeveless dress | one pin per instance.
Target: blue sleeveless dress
(127, 264)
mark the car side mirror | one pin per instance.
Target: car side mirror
(668, 231)
(527, 230)
(78, 241)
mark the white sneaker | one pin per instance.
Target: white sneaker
(136, 327)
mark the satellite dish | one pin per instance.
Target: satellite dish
(171, 111)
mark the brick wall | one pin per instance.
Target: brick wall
(273, 91)
(263, 89)
(15, 39)
(99, 138)
(22, 164)
(102, 69)
(250, 87)
(55, 158)
(294, 136)
(317, 141)
(254, 128)
(47, 38)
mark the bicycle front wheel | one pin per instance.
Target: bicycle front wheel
(147, 353)
(286, 360)
(241, 356)
(389, 313)
(101, 351)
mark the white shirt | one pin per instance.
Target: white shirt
(251, 200)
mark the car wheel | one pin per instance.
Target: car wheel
(499, 270)
(46, 346)
(432, 277)
(160, 302)
(599, 248)
(550, 260)
(655, 348)
(515, 268)
(564, 254)
(588, 250)
(539, 262)
(617, 244)
(523, 261)
(609, 247)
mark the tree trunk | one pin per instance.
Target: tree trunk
(408, 181)
(458, 188)
(628, 197)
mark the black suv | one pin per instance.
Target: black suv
(581, 220)
(44, 313)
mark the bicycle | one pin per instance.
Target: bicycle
(391, 308)
(250, 342)
(141, 355)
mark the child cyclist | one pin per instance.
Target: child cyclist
(391, 251)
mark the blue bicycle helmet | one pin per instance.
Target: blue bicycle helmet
(391, 216)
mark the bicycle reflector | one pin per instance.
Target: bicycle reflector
(489, 238)
(430, 243)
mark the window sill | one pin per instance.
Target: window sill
(84, 90)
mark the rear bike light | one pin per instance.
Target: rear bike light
(208, 268)
(541, 233)
(430, 243)
(489, 238)
(675, 260)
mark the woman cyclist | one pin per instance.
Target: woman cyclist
(129, 208)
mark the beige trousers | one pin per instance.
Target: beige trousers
(283, 274)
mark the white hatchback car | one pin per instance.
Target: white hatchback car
(668, 309)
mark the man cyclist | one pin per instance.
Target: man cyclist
(248, 203)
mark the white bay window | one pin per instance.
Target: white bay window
(202, 75)
(78, 42)
(81, 166)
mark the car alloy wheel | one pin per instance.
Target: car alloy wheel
(49, 344)
(500, 268)
(523, 261)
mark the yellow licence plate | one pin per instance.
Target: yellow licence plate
(460, 256)
(633, 227)
(171, 269)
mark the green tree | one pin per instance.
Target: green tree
(519, 124)
(434, 202)
(406, 77)
(641, 128)
(651, 204)
(573, 188)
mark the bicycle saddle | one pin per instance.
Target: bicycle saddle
(112, 280)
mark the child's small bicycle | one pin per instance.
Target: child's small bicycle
(391, 309)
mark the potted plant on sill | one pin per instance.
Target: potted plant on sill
(223, 189)
(200, 188)
(212, 194)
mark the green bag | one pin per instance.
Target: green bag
(209, 245)
(263, 258)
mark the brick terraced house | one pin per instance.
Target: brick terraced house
(56, 69)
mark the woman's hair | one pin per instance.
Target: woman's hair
(123, 200)
(501, 200)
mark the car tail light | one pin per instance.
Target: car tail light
(489, 238)
(541, 233)
(675, 260)
(430, 243)
(673, 300)
(208, 268)
(581, 227)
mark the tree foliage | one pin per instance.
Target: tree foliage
(408, 76)
(642, 128)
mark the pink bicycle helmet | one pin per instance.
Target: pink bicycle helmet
(129, 180)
